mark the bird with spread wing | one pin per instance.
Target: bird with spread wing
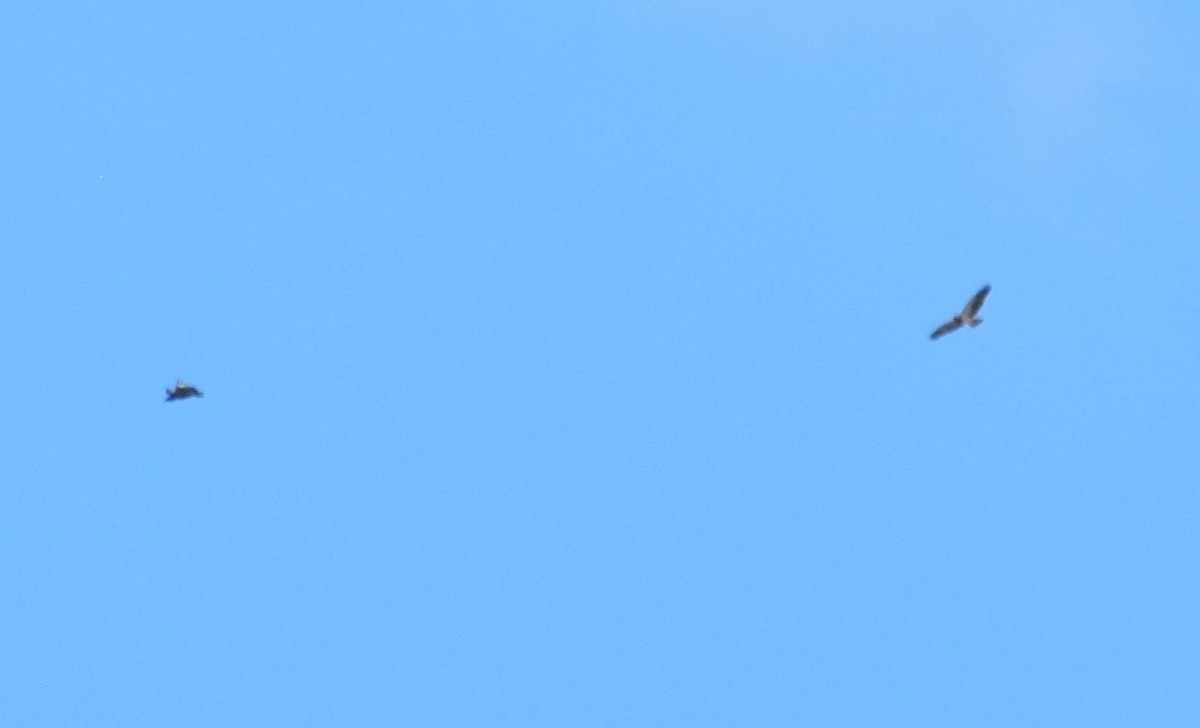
(182, 391)
(967, 316)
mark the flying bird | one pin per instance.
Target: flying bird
(183, 391)
(966, 317)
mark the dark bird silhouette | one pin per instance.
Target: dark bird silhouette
(183, 391)
(966, 317)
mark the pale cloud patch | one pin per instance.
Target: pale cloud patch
(1052, 79)
(1070, 74)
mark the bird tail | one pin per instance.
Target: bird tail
(975, 322)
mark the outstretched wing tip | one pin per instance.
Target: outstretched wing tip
(976, 301)
(946, 328)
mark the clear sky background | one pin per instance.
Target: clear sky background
(568, 365)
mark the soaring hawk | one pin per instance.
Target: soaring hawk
(182, 391)
(966, 317)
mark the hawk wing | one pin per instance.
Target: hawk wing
(947, 327)
(976, 302)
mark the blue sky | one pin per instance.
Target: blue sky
(569, 366)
